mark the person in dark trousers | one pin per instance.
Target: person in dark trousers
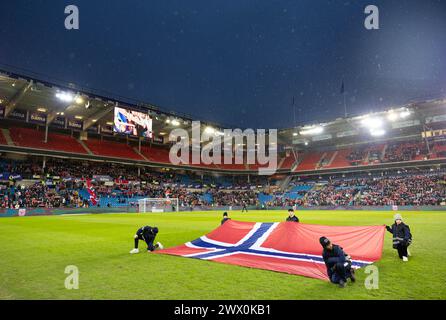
(402, 237)
(244, 208)
(338, 263)
(225, 218)
(291, 217)
(148, 235)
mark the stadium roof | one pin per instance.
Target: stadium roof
(27, 93)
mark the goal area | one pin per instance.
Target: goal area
(158, 205)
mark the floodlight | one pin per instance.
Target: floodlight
(313, 130)
(372, 123)
(64, 96)
(377, 132)
(405, 114)
(392, 116)
(209, 130)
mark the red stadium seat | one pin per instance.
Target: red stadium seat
(112, 149)
(31, 138)
(310, 161)
(2, 138)
(340, 160)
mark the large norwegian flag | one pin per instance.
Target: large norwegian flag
(284, 247)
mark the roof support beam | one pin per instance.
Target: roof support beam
(50, 117)
(17, 98)
(97, 116)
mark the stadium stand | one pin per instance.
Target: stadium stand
(42, 180)
(288, 162)
(112, 149)
(31, 138)
(310, 161)
(341, 159)
(121, 186)
(2, 138)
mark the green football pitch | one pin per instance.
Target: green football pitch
(34, 252)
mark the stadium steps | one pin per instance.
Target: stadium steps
(383, 153)
(285, 183)
(332, 158)
(321, 159)
(7, 137)
(282, 160)
(366, 158)
(137, 151)
(85, 147)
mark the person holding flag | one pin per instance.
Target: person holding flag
(338, 263)
(402, 237)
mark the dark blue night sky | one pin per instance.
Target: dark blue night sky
(239, 63)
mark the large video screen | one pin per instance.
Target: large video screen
(133, 123)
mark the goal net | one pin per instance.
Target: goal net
(158, 205)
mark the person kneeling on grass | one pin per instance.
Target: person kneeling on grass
(402, 237)
(147, 234)
(338, 263)
(225, 218)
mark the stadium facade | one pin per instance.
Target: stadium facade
(52, 134)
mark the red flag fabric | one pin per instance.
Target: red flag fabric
(287, 247)
(92, 193)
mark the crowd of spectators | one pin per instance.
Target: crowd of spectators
(126, 187)
(356, 156)
(39, 195)
(404, 151)
(403, 190)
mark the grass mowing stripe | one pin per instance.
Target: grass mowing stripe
(36, 250)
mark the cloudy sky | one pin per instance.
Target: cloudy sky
(239, 63)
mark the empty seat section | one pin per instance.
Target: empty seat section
(32, 138)
(155, 154)
(112, 149)
(2, 138)
(288, 162)
(309, 161)
(341, 160)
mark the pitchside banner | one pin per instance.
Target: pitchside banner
(287, 247)
(18, 114)
(93, 129)
(107, 130)
(75, 124)
(158, 139)
(59, 122)
(37, 117)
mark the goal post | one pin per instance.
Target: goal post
(158, 205)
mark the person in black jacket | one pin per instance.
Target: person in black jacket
(225, 218)
(402, 237)
(245, 207)
(291, 217)
(338, 263)
(147, 234)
